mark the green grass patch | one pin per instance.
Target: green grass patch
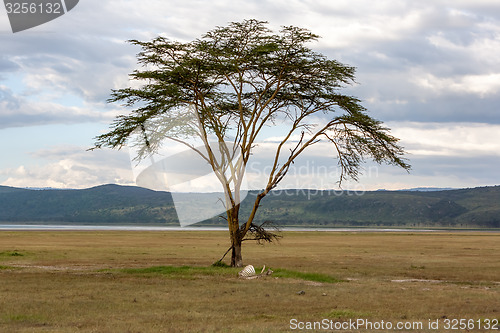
(14, 253)
(220, 264)
(28, 319)
(345, 314)
(193, 271)
(7, 267)
(316, 277)
(182, 271)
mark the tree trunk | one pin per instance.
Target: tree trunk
(235, 235)
(236, 259)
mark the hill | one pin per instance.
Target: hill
(101, 204)
(113, 204)
(477, 207)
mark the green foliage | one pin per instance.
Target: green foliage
(240, 78)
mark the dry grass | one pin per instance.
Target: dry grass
(94, 281)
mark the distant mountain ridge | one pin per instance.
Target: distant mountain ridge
(428, 189)
(115, 204)
(100, 204)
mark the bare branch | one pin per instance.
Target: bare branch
(260, 234)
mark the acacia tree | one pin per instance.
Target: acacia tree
(232, 83)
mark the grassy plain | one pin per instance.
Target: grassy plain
(161, 281)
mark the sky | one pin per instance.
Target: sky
(429, 70)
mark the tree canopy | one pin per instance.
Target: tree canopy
(229, 85)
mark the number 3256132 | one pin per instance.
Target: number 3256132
(33, 8)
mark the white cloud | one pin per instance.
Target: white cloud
(481, 85)
(21, 111)
(71, 167)
(449, 139)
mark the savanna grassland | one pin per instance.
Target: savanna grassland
(122, 281)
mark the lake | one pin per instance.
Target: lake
(76, 227)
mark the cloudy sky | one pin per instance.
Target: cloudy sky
(429, 69)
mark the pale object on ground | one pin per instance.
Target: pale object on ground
(249, 272)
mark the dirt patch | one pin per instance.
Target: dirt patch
(417, 280)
